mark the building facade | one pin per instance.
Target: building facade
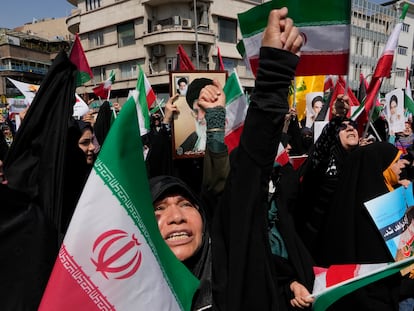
(121, 35)
(26, 56)
(371, 27)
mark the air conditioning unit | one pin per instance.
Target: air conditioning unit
(186, 23)
(158, 50)
(157, 27)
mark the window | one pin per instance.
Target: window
(96, 39)
(359, 46)
(399, 72)
(170, 63)
(92, 4)
(375, 49)
(227, 30)
(229, 64)
(126, 34)
(402, 50)
(129, 70)
(405, 27)
(99, 74)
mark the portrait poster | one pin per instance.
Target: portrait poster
(393, 214)
(185, 131)
(394, 111)
(314, 104)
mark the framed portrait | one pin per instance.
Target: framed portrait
(394, 110)
(188, 133)
(314, 104)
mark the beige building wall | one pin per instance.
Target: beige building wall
(151, 31)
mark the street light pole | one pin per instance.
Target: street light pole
(196, 33)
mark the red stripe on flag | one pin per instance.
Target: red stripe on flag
(339, 273)
(329, 64)
(70, 281)
(232, 139)
(310, 65)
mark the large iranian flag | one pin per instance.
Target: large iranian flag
(113, 256)
(236, 109)
(339, 280)
(325, 27)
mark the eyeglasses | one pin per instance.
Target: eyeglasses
(345, 124)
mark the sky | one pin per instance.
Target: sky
(18, 12)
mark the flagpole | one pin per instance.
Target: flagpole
(196, 33)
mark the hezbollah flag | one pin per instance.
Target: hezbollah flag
(113, 256)
(304, 85)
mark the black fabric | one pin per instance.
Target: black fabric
(200, 263)
(34, 168)
(76, 171)
(35, 160)
(194, 89)
(103, 122)
(299, 265)
(159, 158)
(4, 148)
(350, 235)
(319, 175)
(244, 277)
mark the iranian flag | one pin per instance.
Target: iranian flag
(78, 58)
(144, 85)
(282, 157)
(236, 109)
(383, 67)
(113, 256)
(146, 98)
(339, 280)
(104, 89)
(408, 97)
(325, 27)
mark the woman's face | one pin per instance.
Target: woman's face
(85, 143)
(180, 224)
(348, 135)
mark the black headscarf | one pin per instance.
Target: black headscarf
(76, 170)
(200, 263)
(103, 122)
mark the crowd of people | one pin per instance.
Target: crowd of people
(253, 247)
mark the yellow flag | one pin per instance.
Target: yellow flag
(304, 85)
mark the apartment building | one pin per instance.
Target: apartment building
(371, 27)
(121, 35)
(26, 57)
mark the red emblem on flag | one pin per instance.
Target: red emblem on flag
(117, 254)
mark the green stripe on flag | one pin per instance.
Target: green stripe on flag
(304, 13)
(232, 88)
(124, 172)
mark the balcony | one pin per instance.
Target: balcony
(160, 2)
(174, 34)
(73, 21)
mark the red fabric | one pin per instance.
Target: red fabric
(184, 62)
(339, 273)
(220, 60)
(78, 57)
